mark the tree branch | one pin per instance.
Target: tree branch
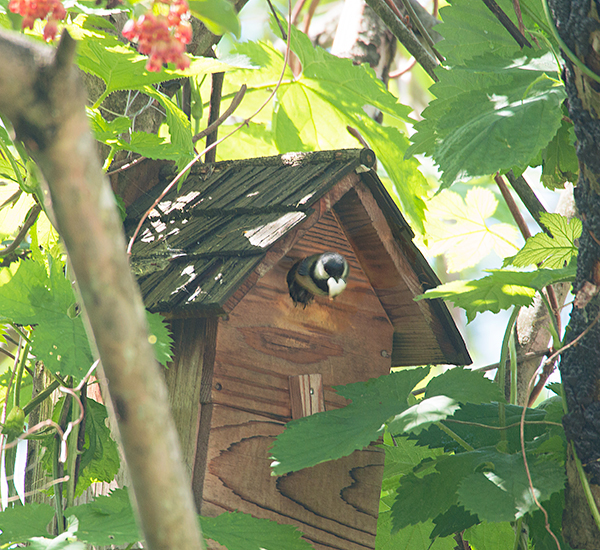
(54, 127)
(406, 36)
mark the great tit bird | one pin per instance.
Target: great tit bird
(320, 274)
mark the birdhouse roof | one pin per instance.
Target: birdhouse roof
(202, 247)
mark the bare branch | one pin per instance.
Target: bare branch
(406, 36)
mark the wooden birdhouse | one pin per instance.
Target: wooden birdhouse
(213, 258)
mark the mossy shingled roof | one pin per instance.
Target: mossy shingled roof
(199, 244)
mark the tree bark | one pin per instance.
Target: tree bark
(577, 22)
(42, 94)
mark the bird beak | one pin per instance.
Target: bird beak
(335, 287)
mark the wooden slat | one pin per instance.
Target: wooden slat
(266, 338)
(187, 378)
(335, 504)
(306, 395)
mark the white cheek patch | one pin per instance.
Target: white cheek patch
(320, 271)
(335, 287)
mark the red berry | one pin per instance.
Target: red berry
(162, 38)
(39, 9)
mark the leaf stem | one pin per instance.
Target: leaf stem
(584, 69)
(454, 436)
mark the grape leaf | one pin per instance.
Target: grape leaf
(314, 110)
(501, 289)
(490, 535)
(122, 67)
(465, 386)
(401, 458)
(494, 114)
(22, 522)
(551, 252)
(453, 520)
(218, 15)
(559, 158)
(461, 230)
(160, 338)
(100, 458)
(238, 531)
(411, 537)
(489, 484)
(467, 423)
(332, 434)
(500, 491)
(423, 414)
(470, 29)
(107, 520)
(44, 298)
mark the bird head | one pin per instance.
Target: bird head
(320, 274)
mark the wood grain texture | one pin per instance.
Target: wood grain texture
(419, 333)
(335, 504)
(306, 395)
(188, 378)
(266, 338)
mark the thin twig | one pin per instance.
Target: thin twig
(477, 424)
(530, 481)
(228, 112)
(406, 36)
(517, 8)
(29, 221)
(296, 11)
(507, 23)
(41, 489)
(528, 198)
(235, 102)
(274, 13)
(309, 16)
(399, 72)
(414, 18)
(199, 155)
(213, 115)
(512, 206)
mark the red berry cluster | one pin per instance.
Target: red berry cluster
(162, 37)
(39, 9)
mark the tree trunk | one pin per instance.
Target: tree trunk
(577, 22)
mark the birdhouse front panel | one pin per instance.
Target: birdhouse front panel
(260, 344)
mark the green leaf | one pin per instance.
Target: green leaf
(453, 520)
(314, 110)
(107, 520)
(20, 523)
(121, 67)
(332, 434)
(238, 531)
(470, 422)
(490, 535)
(501, 289)
(218, 15)
(412, 537)
(160, 338)
(461, 230)
(403, 457)
(100, 459)
(465, 386)
(559, 158)
(180, 128)
(35, 296)
(471, 29)
(551, 252)
(501, 491)
(489, 484)
(542, 540)
(423, 414)
(494, 114)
